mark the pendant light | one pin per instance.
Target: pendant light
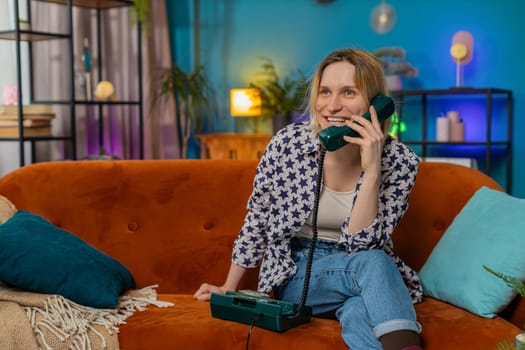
(383, 18)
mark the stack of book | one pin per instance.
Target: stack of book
(36, 120)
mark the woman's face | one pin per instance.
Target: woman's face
(338, 97)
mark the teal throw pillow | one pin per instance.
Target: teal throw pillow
(489, 230)
(37, 256)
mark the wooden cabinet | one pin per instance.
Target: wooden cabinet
(241, 146)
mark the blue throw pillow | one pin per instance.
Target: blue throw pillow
(489, 230)
(37, 256)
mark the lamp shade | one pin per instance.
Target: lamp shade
(462, 48)
(245, 102)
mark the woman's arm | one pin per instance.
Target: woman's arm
(233, 279)
(400, 166)
(366, 204)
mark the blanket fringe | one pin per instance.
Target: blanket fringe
(69, 321)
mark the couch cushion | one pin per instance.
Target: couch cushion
(487, 231)
(448, 327)
(37, 256)
(189, 325)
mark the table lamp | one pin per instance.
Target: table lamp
(245, 102)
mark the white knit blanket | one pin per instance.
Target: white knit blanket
(33, 321)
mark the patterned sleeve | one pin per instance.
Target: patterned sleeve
(400, 166)
(250, 244)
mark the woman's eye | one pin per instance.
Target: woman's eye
(349, 92)
(324, 92)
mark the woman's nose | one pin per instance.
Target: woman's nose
(334, 105)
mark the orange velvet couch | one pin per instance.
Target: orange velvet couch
(172, 223)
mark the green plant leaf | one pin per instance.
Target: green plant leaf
(507, 344)
(140, 11)
(511, 281)
(195, 99)
(279, 96)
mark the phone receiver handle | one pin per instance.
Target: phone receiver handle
(332, 137)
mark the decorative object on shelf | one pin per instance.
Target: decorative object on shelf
(23, 24)
(36, 120)
(86, 59)
(457, 127)
(80, 85)
(450, 128)
(395, 66)
(104, 91)
(195, 100)
(461, 50)
(280, 98)
(245, 102)
(383, 18)
(11, 95)
(442, 129)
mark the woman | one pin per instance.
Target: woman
(365, 186)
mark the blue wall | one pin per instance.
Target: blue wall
(299, 33)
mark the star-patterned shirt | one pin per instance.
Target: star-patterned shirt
(283, 197)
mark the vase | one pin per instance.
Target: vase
(520, 341)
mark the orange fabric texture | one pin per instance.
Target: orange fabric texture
(173, 222)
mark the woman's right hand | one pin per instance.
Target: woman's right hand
(205, 290)
(232, 281)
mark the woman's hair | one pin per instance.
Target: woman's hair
(369, 79)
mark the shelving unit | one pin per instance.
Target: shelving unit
(487, 143)
(70, 102)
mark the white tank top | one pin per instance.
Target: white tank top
(334, 208)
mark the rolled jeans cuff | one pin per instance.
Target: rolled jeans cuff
(396, 325)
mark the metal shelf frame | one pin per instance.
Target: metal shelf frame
(488, 143)
(19, 35)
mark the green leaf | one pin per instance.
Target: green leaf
(279, 96)
(195, 98)
(507, 344)
(511, 281)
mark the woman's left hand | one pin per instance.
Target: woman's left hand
(371, 140)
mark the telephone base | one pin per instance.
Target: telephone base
(263, 312)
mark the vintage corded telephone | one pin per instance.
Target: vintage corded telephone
(332, 137)
(277, 315)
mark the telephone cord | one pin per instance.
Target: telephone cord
(311, 248)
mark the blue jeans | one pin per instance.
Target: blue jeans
(364, 291)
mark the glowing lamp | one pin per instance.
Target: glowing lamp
(461, 50)
(245, 102)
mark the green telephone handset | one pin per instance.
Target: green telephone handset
(332, 137)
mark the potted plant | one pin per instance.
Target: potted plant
(140, 11)
(395, 66)
(281, 98)
(519, 287)
(195, 100)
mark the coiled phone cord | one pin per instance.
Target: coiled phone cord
(311, 248)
